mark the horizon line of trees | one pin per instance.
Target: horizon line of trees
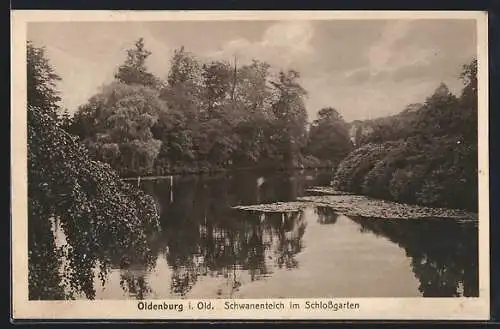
(204, 116)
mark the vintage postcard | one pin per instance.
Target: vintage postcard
(250, 165)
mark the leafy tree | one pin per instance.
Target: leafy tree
(182, 90)
(329, 138)
(217, 140)
(41, 81)
(436, 116)
(253, 88)
(468, 108)
(117, 123)
(290, 117)
(217, 86)
(184, 68)
(253, 105)
(100, 216)
(134, 70)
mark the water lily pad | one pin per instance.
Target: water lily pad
(327, 190)
(357, 205)
(293, 206)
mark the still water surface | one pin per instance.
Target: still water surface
(208, 250)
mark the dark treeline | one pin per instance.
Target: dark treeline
(426, 154)
(206, 116)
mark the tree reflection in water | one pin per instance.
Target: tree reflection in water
(286, 231)
(134, 283)
(134, 268)
(326, 215)
(203, 236)
(444, 253)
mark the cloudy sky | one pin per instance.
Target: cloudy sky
(363, 68)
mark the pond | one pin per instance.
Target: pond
(207, 249)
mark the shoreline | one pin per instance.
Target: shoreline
(218, 171)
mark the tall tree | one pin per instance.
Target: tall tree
(290, 116)
(436, 115)
(469, 102)
(329, 138)
(41, 81)
(253, 100)
(178, 125)
(134, 70)
(217, 86)
(217, 140)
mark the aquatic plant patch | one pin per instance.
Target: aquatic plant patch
(327, 190)
(357, 205)
(292, 206)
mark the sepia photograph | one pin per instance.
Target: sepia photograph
(302, 165)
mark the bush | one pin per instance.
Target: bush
(440, 173)
(351, 171)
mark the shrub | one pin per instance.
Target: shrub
(351, 171)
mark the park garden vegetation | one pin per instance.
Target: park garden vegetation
(208, 116)
(427, 154)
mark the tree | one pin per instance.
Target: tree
(100, 216)
(436, 116)
(217, 85)
(177, 126)
(468, 103)
(252, 101)
(117, 123)
(329, 138)
(134, 70)
(289, 117)
(41, 81)
(217, 139)
(183, 84)
(184, 68)
(252, 87)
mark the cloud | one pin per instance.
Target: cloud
(411, 50)
(390, 52)
(282, 44)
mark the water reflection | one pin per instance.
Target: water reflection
(204, 240)
(221, 246)
(443, 252)
(134, 283)
(326, 215)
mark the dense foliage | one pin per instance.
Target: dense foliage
(426, 154)
(329, 139)
(100, 217)
(205, 115)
